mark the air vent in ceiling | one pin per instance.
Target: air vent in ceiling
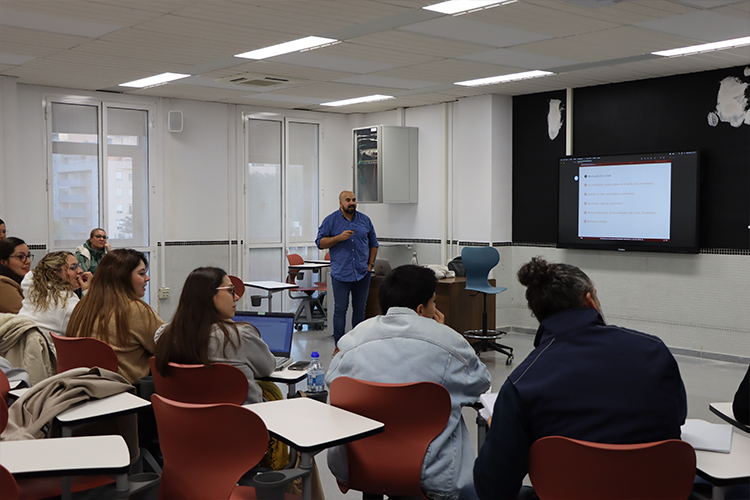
(259, 81)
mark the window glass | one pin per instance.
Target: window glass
(264, 181)
(302, 182)
(75, 173)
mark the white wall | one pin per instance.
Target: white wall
(697, 302)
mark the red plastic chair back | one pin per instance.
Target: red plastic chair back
(83, 352)
(4, 387)
(390, 463)
(206, 448)
(563, 468)
(8, 486)
(239, 286)
(218, 383)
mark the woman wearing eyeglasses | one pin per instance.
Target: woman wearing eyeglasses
(93, 250)
(48, 291)
(113, 311)
(202, 331)
(15, 262)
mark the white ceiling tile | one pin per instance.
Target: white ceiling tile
(316, 59)
(705, 25)
(385, 81)
(458, 28)
(14, 59)
(518, 59)
(54, 24)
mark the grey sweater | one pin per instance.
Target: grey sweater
(251, 356)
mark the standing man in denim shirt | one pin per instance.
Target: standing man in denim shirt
(353, 245)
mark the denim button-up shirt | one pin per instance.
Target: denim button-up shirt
(349, 257)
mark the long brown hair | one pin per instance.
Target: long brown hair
(110, 295)
(48, 288)
(185, 339)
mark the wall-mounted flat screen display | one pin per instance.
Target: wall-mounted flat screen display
(629, 202)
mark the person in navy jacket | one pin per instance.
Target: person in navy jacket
(585, 380)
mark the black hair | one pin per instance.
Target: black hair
(7, 247)
(407, 286)
(553, 288)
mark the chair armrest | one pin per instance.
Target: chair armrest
(271, 485)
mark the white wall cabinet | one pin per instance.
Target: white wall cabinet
(386, 164)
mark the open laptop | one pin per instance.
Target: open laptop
(276, 330)
(381, 267)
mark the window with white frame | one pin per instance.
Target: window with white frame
(93, 145)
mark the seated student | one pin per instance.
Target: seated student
(585, 380)
(93, 250)
(15, 262)
(409, 343)
(741, 404)
(48, 292)
(202, 331)
(113, 311)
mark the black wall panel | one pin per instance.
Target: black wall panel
(535, 158)
(658, 114)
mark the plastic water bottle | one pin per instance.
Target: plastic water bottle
(315, 374)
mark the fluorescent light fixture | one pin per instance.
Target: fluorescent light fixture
(358, 100)
(706, 47)
(504, 78)
(287, 47)
(154, 80)
(456, 6)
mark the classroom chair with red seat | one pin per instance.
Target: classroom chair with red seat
(563, 468)
(208, 447)
(217, 383)
(390, 463)
(83, 352)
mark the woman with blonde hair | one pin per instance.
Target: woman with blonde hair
(48, 291)
(113, 311)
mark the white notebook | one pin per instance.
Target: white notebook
(706, 436)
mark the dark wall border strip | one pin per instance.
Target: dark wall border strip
(197, 243)
(37, 247)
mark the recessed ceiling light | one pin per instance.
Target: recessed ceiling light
(154, 80)
(504, 78)
(456, 6)
(358, 100)
(705, 47)
(287, 47)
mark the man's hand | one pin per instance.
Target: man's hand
(345, 235)
(439, 317)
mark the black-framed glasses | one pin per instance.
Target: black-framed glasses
(229, 287)
(23, 256)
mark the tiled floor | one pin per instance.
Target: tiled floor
(705, 380)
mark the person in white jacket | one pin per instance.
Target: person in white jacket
(48, 291)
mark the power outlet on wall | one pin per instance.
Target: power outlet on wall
(164, 292)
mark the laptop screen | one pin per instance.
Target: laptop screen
(275, 329)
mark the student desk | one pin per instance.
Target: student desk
(725, 412)
(86, 455)
(310, 427)
(288, 377)
(725, 469)
(462, 308)
(112, 406)
(271, 287)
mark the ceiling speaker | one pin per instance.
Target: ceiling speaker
(174, 121)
